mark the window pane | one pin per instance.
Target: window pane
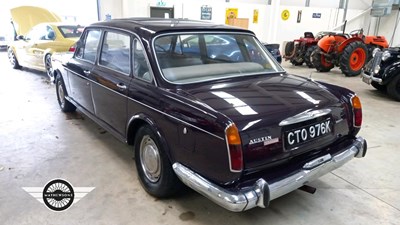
(115, 52)
(89, 50)
(140, 67)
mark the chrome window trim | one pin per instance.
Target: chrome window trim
(208, 32)
(105, 28)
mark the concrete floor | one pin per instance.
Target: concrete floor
(39, 143)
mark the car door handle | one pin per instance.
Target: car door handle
(121, 86)
(87, 72)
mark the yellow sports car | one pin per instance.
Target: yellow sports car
(39, 34)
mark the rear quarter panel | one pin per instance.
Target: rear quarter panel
(193, 136)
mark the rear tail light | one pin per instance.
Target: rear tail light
(357, 111)
(234, 146)
(72, 48)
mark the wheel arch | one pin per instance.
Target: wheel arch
(139, 120)
(345, 43)
(45, 53)
(390, 72)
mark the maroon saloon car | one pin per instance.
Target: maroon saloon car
(206, 105)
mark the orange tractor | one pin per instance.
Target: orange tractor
(348, 51)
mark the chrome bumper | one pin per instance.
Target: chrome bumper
(261, 193)
(368, 78)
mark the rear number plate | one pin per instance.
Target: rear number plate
(306, 133)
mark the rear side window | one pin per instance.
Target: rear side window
(140, 66)
(115, 52)
(88, 49)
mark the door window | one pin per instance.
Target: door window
(88, 49)
(140, 66)
(115, 52)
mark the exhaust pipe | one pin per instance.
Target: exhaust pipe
(308, 189)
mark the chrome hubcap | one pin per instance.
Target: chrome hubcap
(150, 159)
(61, 94)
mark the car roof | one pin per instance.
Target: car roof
(159, 25)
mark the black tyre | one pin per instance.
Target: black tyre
(378, 87)
(13, 59)
(64, 104)
(320, 63)
(308, 54)
(153, 165)
(353, 58)
(289, 47)
(296, 61)
(393, 88)
(48, 66)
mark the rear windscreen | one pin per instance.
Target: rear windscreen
(71, 31)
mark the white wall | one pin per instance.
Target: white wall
(270, 26)
(184, 9)
(84, 11)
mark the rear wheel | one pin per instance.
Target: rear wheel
(308, 55)
(153, 166)
(64, 104)
(393, 88)
(13, 59)
(353, 58)
(378, 87)
(320, 63)
(289, 47)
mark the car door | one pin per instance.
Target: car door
(111, 79)
(24, 45)
(36, 47)
(80, 68)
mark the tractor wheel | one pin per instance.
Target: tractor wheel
(353, 59)
(307, 56)
(320, 63)
(296, 61)
(289, 47)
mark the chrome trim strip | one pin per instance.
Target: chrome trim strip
(184, 122)
(304, 116)
(261, 193)
(194, 107)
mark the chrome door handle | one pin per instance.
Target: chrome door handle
(121, 86)
(87, 72)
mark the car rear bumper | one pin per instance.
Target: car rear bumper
(262, 192)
